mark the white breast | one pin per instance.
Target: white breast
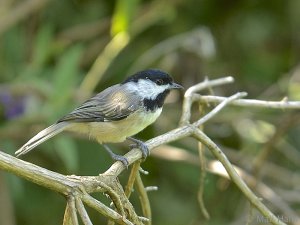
(117, 131)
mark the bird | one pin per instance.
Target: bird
(115, 114)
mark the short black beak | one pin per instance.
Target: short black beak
(176, 86)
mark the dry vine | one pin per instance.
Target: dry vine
(77, 189)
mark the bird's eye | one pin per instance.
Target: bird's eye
(159, 82)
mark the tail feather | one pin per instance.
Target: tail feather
(41, 137)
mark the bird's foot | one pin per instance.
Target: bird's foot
(116, 157)
(140, 145)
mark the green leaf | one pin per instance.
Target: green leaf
(65, 77)
(42, 49)
(122, 16)
(66, 149)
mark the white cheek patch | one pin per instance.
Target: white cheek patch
(150, 90)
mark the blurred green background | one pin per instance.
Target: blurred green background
(54, 54)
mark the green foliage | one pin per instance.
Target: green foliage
(44, 58)
(65, 78)
(66, 149)
(42, 47)
(123, 16)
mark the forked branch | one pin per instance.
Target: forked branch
(77, 189)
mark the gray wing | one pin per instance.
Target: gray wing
(112, 104)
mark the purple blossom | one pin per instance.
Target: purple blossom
(13, 106)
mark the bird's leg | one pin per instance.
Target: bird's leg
(116, 157)
(140, 145)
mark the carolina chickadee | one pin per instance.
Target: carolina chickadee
(116, 113)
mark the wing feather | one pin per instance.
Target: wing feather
(112, 104)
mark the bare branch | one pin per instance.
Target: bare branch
(35, 174)
(284, 104)
(82, 212)
(131, 179)
(202, 161)
(151, 188)
(173, 135)
(188, 101)
(79, 187)
(236, 178)
(219, 107)
(135, 154)
(217, 168)
(70, 217)
(145, 203)
(214, 166)
(104, 210)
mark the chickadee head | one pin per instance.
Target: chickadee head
(152, 86)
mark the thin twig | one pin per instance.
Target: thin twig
(283, 105)
(151, 188)
(104, 210)
(216, 151)
(130, 211)
(143, 196)
(129, 186)
(202, 161)
(217, 168)
(279, 174)
(131, 179)
(183, 131)
(188, 101)
(36, 174)
(79, 188)
(219, 107)
(213, 166)
(70, 217)
(115, 198)
(202, 180)
(82, 212)
(142, 171)
(143, 219)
